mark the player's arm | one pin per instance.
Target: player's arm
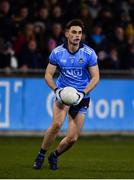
(95, 76)
(94, 72)
(49, 74)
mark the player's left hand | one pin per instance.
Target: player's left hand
(81, 96)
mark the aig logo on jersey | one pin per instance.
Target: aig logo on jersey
(75, 72)
(80, 61)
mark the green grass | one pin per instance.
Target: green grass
(91, 157)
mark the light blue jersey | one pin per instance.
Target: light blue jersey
(73, 66)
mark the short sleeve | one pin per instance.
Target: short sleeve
(92, 61)
(53, 58)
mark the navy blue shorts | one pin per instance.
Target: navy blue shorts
(82, 107)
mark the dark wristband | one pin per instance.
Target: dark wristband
(83, 93)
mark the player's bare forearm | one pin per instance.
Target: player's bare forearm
(94, 81)
(50, 82)
(94, 72)
(50, 70)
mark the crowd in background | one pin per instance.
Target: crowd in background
(30, 29)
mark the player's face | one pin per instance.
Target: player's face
(74, 35)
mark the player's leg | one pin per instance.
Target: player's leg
(76, 119)
(73, 132)
(74, 127)
(59, 113)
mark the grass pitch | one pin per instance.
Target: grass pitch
(91, 157)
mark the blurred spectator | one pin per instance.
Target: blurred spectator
(130, 29)
(85, 16)
(118, 40)
(42, 16)
(57, 33)
(113, 59)
(40, 35)
(130, 34)
(22, 18)
(57, 15)
(109, 60)
(109, 28)
(122, 18)
(4, 57)
(97, 38)
(6, 24)
(129, 58)
(128, 7)
(54, 38)
(130, 40)
(103, 63)
(23, 37)
(50, 46)
(94, 8)
(30, 57)
(7, 58)
(106, 17)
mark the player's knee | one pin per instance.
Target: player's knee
(56, 125)
(72, 139)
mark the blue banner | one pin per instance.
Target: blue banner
(26, 104)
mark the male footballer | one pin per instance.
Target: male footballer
(77, 64)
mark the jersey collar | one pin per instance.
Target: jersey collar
(65, 45)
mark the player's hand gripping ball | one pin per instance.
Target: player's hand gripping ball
(69, 95)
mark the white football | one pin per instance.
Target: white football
(69, 95)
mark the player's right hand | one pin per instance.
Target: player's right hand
(57, 93)
(81, 95)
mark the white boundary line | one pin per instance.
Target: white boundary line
(6, 123)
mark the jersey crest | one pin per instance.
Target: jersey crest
(80, 61)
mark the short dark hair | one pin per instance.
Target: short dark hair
(74, 22)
